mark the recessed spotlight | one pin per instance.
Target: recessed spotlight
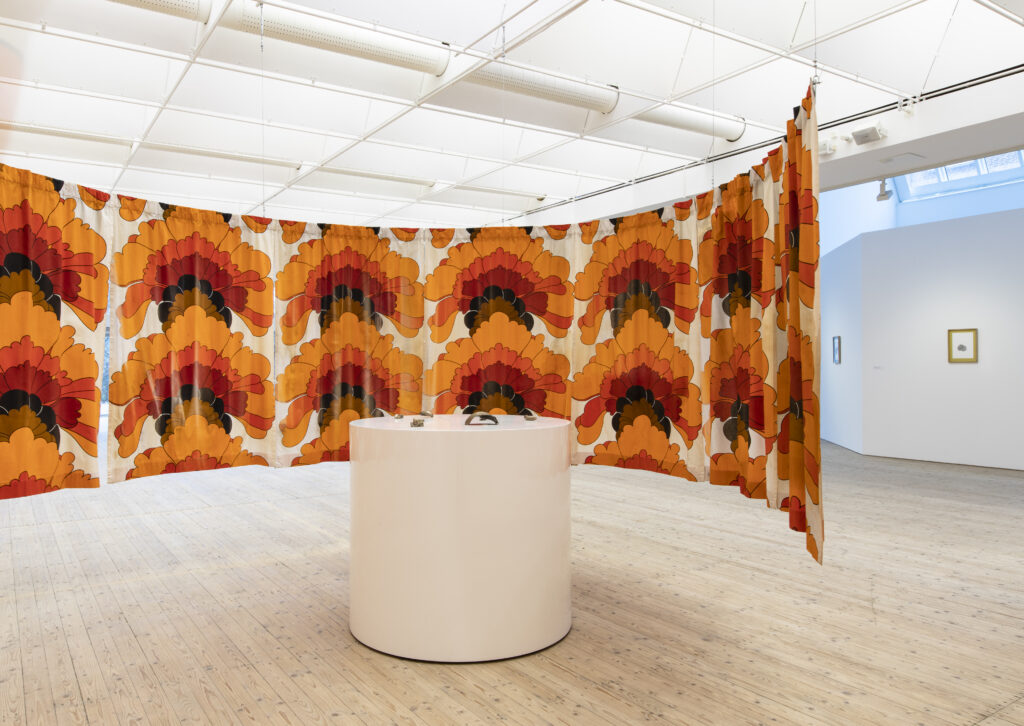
(884, 193)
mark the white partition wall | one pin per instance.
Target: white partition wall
(916, 283)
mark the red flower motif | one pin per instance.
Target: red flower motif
(58, 264)
(501, 270)
(193, 261)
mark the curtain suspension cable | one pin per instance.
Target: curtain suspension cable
(263, 125)
(816, 78)
(938, 49)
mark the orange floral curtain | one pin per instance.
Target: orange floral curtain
(191, 350)
(53, 299)
(682, 340)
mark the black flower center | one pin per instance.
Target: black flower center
(13, 401)
(15, 262)
(497, 299)
(344, 396)
(496, 395)
(639, 402)
(345, 299)
(191, 400)
(638, 296)
(182, 294)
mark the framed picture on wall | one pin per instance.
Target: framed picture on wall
(837, 349)
(963, 345)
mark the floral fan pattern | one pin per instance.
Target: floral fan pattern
(53, 299)
(682, 340)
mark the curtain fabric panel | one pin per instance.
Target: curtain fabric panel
(192, 348)
(682, 340)
(53, 301)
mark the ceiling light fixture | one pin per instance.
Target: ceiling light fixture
(884, 194)
(542, 85)
(540, 197)
(379, 176)
(316, 32)
(722, 126)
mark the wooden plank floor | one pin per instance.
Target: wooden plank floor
(222, 598)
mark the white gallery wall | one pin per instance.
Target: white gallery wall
(892, 295)
(841, 392)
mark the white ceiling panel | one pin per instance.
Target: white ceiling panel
(487, 199)
(978, 41)
(280, 102)
(540, 182)
(772, 23)
(69, 111)
(108, 20)
(483, 100)
(205, 165)
(458, 22)
(401, 161)
(334, 203)
(48, 59)
(613, 162)
(896, 50)
(249, 118)
(311, 64)
(672, 140)
(310, 214)
(77, 172)
(822, 19)
(463, 135)
(220, 134)
(63, 148)
(162, 186)
(757, 95)
(576, 46)
(708, 57)
(452, 216)
(354, 184)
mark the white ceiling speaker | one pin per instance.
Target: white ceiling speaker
(868, 134)
(541, 85)
(884, 194)
(723, 126)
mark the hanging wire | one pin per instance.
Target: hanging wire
(938, 49)
(504, 118)
(816, 78)
(263, 126)
(714, 86)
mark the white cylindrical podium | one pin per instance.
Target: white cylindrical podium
(460, 536)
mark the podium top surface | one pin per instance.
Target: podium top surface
(457, 422)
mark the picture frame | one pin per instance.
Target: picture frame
(962, 344)
(837, 349)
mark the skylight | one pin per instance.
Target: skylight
(964, 176)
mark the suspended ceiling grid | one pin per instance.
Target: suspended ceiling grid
(154, 106)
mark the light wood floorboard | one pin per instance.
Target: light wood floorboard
(222, 598)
